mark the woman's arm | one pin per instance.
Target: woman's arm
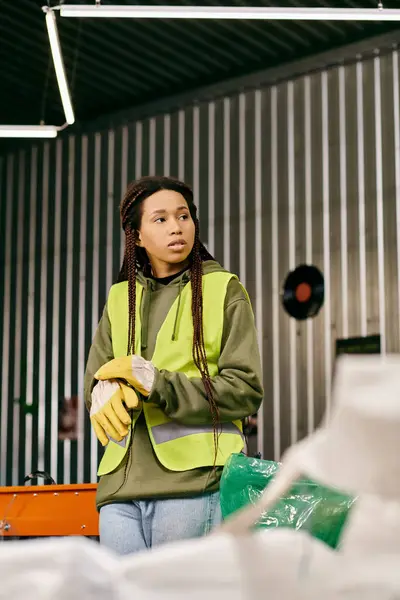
(237, 388)
(100, 353)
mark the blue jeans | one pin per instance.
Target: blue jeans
(128, 527)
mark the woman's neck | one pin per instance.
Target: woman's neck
(161, 269)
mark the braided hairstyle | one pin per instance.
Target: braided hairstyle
(136, 258)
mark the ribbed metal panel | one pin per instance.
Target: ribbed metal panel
(307, 171)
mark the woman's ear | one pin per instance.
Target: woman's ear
(138, 240)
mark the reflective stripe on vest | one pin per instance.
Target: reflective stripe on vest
(173, 431)
(177, 447)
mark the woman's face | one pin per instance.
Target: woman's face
(166, 232)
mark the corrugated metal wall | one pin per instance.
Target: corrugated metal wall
(308, 171)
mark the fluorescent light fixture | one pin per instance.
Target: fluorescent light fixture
(59, 67)
(230, 12)
(28, 131)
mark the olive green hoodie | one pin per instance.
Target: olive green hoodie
(237, 387)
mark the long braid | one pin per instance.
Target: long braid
(131, 268)
(129, 265)
(199, 352)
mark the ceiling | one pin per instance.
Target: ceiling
(116, 64)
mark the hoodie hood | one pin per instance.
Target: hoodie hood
(172, 290)
(209, 266)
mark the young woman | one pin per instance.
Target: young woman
(179, 330)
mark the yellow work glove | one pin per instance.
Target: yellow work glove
(108, 413)
(137, 371)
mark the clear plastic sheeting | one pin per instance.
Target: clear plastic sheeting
(278, 564)
(266, 565)
(307, 505)
(216, 567)
(374, 528)
(58, 569)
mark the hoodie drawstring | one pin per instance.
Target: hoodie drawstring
(145, 315)
(175, 330)
(145, 312)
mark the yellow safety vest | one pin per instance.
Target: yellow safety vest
(178, 447)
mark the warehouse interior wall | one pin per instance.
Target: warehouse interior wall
(305, 171)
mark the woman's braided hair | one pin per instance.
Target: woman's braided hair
(135, 258)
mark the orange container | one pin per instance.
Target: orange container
(49, 510)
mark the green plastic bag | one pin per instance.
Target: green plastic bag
(320, 510)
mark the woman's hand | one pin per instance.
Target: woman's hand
(108, 413)
(137, 371)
